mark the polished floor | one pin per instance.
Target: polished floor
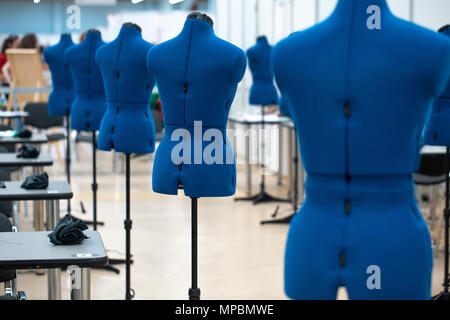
(238, 258)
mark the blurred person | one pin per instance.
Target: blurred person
(10, 42)
(29, 41)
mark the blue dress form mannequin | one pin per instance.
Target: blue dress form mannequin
(197, 75)
(63, 94)
(437, 131)
(89, 105)
(359, 98)
(263, 91)
(127, 125)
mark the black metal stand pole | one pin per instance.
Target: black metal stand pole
(94, 178)
(262, 196)
(288, 219)
(194, 291)
(129, 294)
(68, 156)
(95, 223)
(445, 295)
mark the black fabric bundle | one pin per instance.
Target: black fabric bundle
(28, 152)
(24, 133)
(35, 182)
(68, 232)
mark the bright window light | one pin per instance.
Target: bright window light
(136, 1)
(175, 1)
(36, 1)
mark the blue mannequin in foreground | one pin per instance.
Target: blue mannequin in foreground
(63, 94)
(263, 91)
(197, 75)
(437, 131)
(90, 104)
(360, 86)
(127, 125)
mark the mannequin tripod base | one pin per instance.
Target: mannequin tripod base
(443, 296)
(262, 197)
(194, 294)
(286, 220)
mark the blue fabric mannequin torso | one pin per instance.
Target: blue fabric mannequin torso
(437, 131)
(197, 76)
(90, 104)
(359, 99)
(63, 94)
(263, 91)
(127, 125)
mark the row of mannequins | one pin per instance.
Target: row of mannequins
(113, 82)
(359, 99)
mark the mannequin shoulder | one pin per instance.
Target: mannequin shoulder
(227, 49)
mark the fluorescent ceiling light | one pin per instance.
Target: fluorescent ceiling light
(136, 1)
(175, 1)
(36, 1)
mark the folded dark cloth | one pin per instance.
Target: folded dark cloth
(68, 232)
(24, 133)
(36, 181)
(28, 152)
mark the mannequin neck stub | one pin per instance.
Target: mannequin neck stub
(93, 35)
(201, 16)
(66, 38)
(359, 7)
(132, 25)
(262, 39)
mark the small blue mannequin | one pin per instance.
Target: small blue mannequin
(89, 105)
(127, 125)
(197, 75)
(63, 94)
(437, 131)
(263, 91)
(359, 97)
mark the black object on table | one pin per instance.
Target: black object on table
(28, 152)
(68, 232)
(35, 181)
(262, 196)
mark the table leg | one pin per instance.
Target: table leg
(38, 207)
(280, 155)
(80, 288)
(247, 162)
(53, 275)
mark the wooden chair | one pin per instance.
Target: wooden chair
(26, 71)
